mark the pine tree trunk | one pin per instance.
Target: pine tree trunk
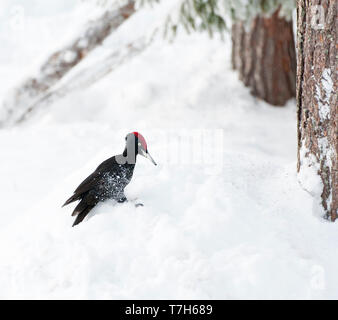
(317, 96)
(265, 57)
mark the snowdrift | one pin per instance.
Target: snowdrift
(246, 230)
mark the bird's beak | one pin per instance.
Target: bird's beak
(148, 156)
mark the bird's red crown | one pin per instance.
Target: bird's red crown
(140, 139)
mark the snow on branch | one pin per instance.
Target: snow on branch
(86, 77)
(32, 91)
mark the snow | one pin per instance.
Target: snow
(69, 56)
(324, 103)
(32, 30)
(308, 175)
(234, 225)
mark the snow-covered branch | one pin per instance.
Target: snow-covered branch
(32, 91)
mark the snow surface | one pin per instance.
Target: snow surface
(237, 225)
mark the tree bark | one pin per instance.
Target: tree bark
(265, 57)
(317, 96)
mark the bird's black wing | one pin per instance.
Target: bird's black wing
(91, 190)
(91, 181)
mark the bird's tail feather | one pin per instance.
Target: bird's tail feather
(82, 205)
(81, 215)
(70, 200)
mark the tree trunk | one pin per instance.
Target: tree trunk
(317, 96)
(265, 57)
